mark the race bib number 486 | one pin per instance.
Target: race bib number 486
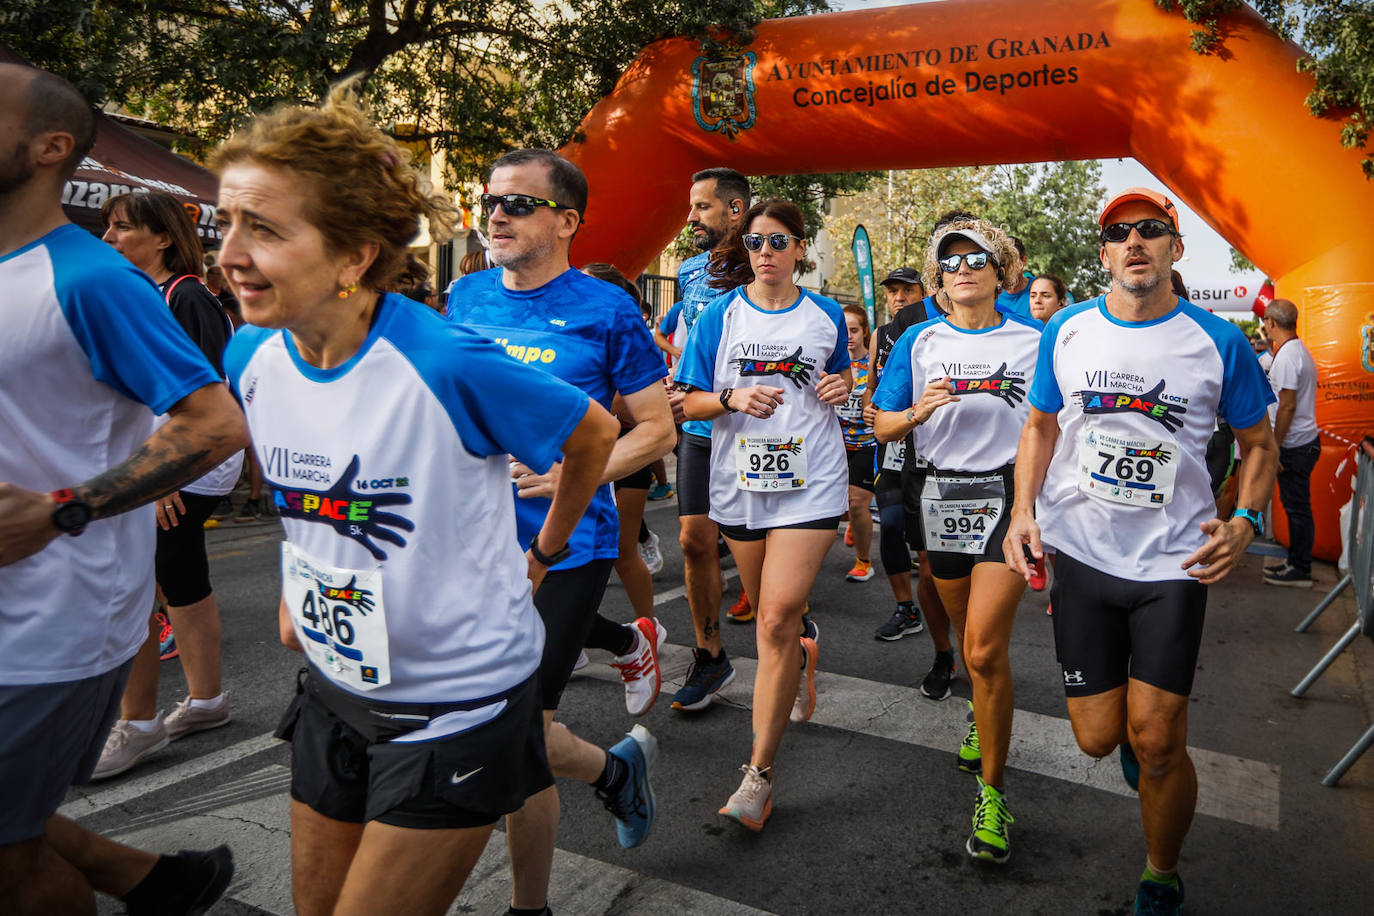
(339, 618)
(1131, 471)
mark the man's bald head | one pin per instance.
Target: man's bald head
(50, 104)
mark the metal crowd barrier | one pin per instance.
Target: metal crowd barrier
(1360, 543)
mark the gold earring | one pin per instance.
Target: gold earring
(348, 290)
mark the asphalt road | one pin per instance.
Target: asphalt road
(870, 812)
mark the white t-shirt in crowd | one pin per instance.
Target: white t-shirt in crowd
(1294, 369)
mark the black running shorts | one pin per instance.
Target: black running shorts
(741, 533)
(183, 571)
(694, 475)
(567, 601)
(468, 779)
(1107, 629)
(913, 482)
(861, 467)
(953, 565)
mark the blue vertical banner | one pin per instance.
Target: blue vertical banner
(863, 260)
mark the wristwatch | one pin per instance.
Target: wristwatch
(725, 400)
(1254, 516)
(71, 515)
(558, 555)
(911, 415)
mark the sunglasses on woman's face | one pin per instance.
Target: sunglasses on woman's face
(975, 261)
(1148, 229)
(516, 204)
(778, 241)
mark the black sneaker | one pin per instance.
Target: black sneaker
(705, 678)
(1277, 567)
(935, 685)
(1290, 577)
(199, 882)
(904, 622)
(251, 512)
(223, 510)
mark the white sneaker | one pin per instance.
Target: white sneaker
(127, 745)
(650, 553)
(582, 661)
(753, 800)
(639, 667)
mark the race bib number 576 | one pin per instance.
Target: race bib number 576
(339, 618)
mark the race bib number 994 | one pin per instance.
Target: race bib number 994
(339, 618)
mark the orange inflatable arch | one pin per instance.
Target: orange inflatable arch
(1001, 81)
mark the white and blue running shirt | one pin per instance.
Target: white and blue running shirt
(736, 344)
(89, 353)
(1132, 400)
(396, 461)
(991, 370)
(585, 331)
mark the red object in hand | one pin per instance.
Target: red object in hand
(1037, 569)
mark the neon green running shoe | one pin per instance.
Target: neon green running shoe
(970, 758)
(990, 840)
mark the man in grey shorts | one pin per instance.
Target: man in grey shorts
(90, 354)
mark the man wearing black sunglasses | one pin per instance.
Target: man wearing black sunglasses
(589, 333)
(1113, 462)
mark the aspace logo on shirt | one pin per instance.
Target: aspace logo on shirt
(1164, 409)
(769, 359)
(349, 509)
(1008, 385)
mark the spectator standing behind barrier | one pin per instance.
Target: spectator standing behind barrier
(90, 353)
(1293, 376)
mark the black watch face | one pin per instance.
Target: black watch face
(72, 516)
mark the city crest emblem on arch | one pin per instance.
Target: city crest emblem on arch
(723, 93)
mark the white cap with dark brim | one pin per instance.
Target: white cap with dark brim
(972, 236)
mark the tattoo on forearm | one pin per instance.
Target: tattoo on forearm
(173, 456)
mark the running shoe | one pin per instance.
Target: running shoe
(805, 704)
(639, 667)
(632, 805)
(705, 678)
(167, 641)
(582, 661)
(186, 719)
(251, 512)
(935, 685)
(1155, 898)
(741, 611)
(970, 757)
(862, 571)
(809, 629)
(905, 621)
(753, 800)
(1130, 766)
(650, 553)
(1275, 567)
(660, 491)
(192, 888)
(1289, 577)
(991, 838)
(224, 509)
(849, 535)
(127, 745)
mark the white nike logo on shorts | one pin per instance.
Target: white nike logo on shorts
(455, 778)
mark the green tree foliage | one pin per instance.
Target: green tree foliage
(1052, 208)
(1338, 36)
(470, 77)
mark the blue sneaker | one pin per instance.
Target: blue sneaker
(633, 805)
(660, 491)
(1130, 766)
(1155, 899)
(167, 641)
(704, 679)
(809, 629)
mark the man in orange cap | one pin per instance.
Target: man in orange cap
(1112, 462)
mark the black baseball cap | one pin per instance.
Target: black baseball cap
(904, 275)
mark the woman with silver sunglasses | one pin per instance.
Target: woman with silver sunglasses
(767, 362)
(960, 382)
